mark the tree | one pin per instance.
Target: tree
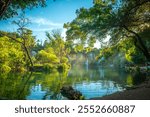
(118, 18)
(27, 40)
(12, 56)
(23, 36)
(9, 8)
(56, 42)
(47, 56)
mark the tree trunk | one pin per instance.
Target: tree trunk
(142, 47)
(27, 52)
(25, 48)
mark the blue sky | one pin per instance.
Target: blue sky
(51, 17)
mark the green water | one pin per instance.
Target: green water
(94, 82)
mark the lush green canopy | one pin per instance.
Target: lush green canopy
(118, 18)
(9, 8)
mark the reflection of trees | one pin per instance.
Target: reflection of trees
(24, 86)
(101, 72)
(14, 86)
(52, 83)
(17, 86)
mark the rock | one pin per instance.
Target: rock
(70, 93)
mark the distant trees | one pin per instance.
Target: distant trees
(56, 42)
(54, 53)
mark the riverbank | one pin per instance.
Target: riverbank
(140, 92)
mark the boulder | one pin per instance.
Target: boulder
(70, 93)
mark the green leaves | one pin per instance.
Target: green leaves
(47, 56)
(55, 52)
(121, 20)
(11, 55)
(10, 8)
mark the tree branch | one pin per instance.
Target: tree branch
(4, 7)
(138, 38)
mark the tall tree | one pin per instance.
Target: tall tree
(25, 34)
(118, 18)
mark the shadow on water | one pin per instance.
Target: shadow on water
(91, 82)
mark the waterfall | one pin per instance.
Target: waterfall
(87, 64)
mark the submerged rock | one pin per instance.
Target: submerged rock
(70, 93)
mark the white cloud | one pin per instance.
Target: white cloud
(42, 29)
(42, 21)
(40, 25)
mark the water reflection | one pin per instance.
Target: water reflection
(101, 72)
(36, 92)
(91, 82)
(97, 89)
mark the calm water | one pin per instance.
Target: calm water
(91, 83)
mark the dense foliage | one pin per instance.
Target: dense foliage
(120, 19)
(54, 53)
(12, 56)
(10, 8)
